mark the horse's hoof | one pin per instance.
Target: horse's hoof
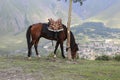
(55, 56)
(63, 56)
(38, 56)
(29, 58)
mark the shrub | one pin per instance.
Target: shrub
(117, 57)
(103, 57)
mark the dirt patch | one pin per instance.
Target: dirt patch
(15, 74)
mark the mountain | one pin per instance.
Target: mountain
(92, 8)
(105, 11)
(16, 15)
(109, 16)
(96, 30)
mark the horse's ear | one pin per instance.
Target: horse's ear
(50, 19)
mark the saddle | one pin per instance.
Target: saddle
(55, 26)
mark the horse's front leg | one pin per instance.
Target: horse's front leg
(62, 50)
(56, 46)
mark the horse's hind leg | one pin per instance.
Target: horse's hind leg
(61, 46)
(57, 44)
(29, 50)
(36, 46)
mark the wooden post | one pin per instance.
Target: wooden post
(68, 29)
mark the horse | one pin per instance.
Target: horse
(39, 30)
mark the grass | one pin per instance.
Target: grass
(15, 44)
(47, 68)
(62, 69)
(10, 43)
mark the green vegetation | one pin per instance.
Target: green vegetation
(57, 69)
(104, 58)
(117, 57)
(107, 58)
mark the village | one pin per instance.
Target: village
(97, 48)
(93, 49)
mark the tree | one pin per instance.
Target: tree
(68, 24)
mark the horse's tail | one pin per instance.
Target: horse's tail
(28, 37)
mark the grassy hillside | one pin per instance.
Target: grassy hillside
(19, 68)
(16, 44)
(10, 43)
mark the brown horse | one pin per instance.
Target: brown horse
(36, 31)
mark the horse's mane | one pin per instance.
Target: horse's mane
(72, 41)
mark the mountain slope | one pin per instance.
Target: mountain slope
(96, 30)
(16, 15)
(92, 8)
(110, 17)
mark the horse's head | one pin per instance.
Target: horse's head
(55, 25)
(74, 51)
